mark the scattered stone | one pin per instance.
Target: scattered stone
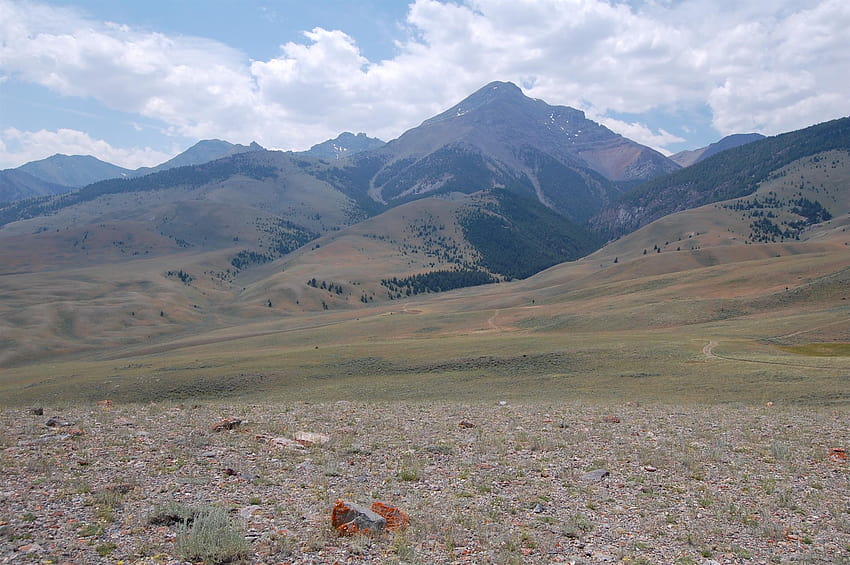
(30, 548)
(395, 517)
(595, 476)
(306, 466)
(55, 422)
(36, 411)
(466, 424)
(308, 439)
(226, 424)
(611, 419)
(538, 508)
(837, 454)
(503, 403)
(349, 519)
(281, 442)
(248, 511)
(119, 488)
(124, 422)
(208, 454)
(228, 472)
(105, 404)
(650, 468)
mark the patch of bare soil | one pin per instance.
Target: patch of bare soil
(502, 483)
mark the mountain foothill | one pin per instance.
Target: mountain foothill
(494, 190)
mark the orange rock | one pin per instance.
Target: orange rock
(349, 519)
(395, 517)
(105, 404)
(226, 424)
(837, 454)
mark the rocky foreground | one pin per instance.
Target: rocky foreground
(504, 483)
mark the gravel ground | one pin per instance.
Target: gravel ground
(500, 483)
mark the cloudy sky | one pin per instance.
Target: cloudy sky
(134, 83)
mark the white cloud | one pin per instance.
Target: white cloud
(17, 147)
(642, 133)
(759, 66)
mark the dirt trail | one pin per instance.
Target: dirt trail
(807, 330)
(491, 321)
(708, 351)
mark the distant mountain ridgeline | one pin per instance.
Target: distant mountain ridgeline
(73, 170)
(730, 174)
(16, 184)
(688, 158)
(181, 177)
(344, 145)
(64, 173)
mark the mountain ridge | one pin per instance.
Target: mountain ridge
(343, 145)
(73, 170)
(19, 185)
(687, 158)
(499, 138)
(728, 174)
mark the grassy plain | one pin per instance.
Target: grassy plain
(629, 331)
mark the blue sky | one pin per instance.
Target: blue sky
(134, 83)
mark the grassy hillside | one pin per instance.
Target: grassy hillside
(727, 175)
(650, 327)
(771, 214)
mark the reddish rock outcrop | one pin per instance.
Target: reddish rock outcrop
(349, 519)
(395, 517)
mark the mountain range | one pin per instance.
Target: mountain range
(63, 173)
(497, 188)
